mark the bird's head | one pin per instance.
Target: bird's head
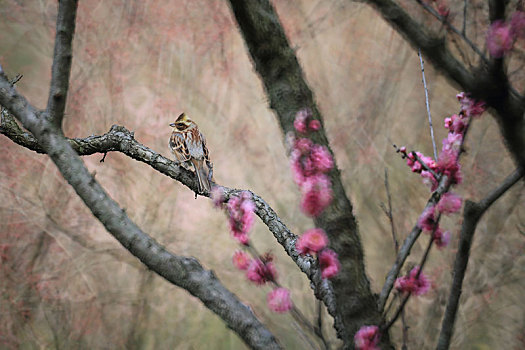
(182, 122)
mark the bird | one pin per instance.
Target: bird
(188, 145)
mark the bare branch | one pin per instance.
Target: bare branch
(471, 216)
(388, 212)
(182, 271)
(62, 57)
(427, 105)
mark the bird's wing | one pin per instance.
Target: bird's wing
(205, 149)
(178, 147)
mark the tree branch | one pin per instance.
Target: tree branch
(62, 57)
(120, 139)
(404, 251)
(288, 92)
(471, 216)
(181, 271)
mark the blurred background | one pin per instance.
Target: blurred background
(66, 283)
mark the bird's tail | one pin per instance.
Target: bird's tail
(202, 172)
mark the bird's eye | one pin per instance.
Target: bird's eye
(180, 125)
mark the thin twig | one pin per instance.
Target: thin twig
(405, 331)
(16, 79)
(420, 161)
(471, 216)
(427, 104)
(464, 28)
(388, 212)
(396, 246)
(396, 315)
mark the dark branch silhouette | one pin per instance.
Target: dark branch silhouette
(471, 216)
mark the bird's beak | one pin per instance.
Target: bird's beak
(172, 125)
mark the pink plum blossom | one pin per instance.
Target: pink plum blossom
(441, 239)
(261, 272)
(297, 168)
(241, 260)
(303, 145)
(448, 165)
(314, 125)
(449, 203)
(329, 263)
(321, 158)
(300, 121)
(241, 218)
(470, 107)
(429, 180)
(452, 142)
(367, 338)
(456, 123)
(312, 241)
(413, 284)
(416, 166)
(442, 8)
(316, 195)
(217, 196)
(427, 220)
(279, 300)
(499, 39)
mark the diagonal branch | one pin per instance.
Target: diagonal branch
(181, 271)
(62, 57)
(471, 216)
(288, 92)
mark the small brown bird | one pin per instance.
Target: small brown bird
(189, 147)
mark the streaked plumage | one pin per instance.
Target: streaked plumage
(189, 147)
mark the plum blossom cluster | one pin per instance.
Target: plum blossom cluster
(240, 211)
(310, 165)
(446, 165)
(441, 7)
(314, 241)
(241, 218)
(428, 221)
(279, 300)
(415, 283)
(502, 35)
(367, 338)
(259, 269)
(447, 162)
(304, 122)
